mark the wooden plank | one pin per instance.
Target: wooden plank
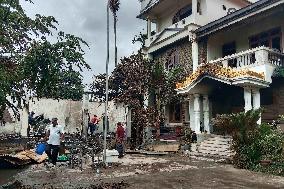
(166, 148)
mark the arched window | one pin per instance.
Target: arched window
(172, 60)
(182, 13)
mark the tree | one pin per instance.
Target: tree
(32, 66)
(140, 38)
(52, 70)
(114, 7)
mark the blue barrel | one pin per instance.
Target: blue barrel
(40, 148)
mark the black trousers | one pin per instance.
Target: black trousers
(52, 153)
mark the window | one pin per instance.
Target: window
(172, 60)
(229, 49)
(182, 13)
(271, 39)
(175, 113)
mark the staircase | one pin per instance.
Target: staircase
(215, 146)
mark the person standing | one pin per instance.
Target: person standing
(54, 134)
(94, 121)
(119, 139)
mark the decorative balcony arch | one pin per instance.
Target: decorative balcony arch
(182, 13)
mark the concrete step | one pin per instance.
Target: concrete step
(216, 145)
(214, 149)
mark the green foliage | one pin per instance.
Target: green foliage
(238, 125)
(279, 72)
(51, 70)
(140, 38)
(30, 65)
(253, 143)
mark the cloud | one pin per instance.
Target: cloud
(87, 19)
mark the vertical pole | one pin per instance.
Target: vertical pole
(149, 28)
(106, 100)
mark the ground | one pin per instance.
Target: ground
(140, 171)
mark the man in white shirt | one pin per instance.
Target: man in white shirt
(54, 134)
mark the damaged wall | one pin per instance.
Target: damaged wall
(69, 114)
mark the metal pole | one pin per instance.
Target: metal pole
(106, 100)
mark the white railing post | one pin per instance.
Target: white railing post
(225, 63)
(261, 56)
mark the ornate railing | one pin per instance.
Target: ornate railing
(256, 56)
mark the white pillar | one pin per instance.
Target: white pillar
(256, 101)
(206, 115)
(247, 98)
(149, 28)
(194, 46)
(191, 112)
(24, 121)
(197, 113)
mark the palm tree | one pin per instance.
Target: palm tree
(114, 7)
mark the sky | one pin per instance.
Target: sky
(87, 19)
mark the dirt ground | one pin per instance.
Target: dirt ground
(139, 171)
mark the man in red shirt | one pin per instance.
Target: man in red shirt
(119, 139)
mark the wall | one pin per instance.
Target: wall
(165, 20)
(271, 112)
(213, 9)
(69, 114)
(210, 10)
(184, 49)
(116, 113)
(216, 41)
(185, 59)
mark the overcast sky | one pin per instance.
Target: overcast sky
(87, 19)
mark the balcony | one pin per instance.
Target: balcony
(253, 67)
(261, 60)
(169, 31)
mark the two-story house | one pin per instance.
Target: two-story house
(230, 48)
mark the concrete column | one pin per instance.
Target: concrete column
(194, 46)
(194, 7)
(247, 98)
(261, 56)
(24, 121)
(149, 28)
(256, 101)
(197, 106)
(206, 116)
(191, 112)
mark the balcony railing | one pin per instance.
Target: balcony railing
(252, 57)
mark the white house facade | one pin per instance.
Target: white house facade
(230, 48)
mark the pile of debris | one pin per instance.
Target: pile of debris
(20, 159)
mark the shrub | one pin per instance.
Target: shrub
(253, 143)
